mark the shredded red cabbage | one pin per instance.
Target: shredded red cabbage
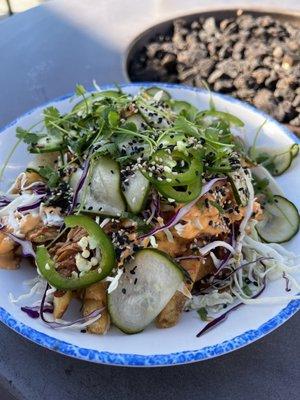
(225, 277)
(80, 184)
(59, 325)
(69, 324)
(33, 312)
(39, 188)
(30, 207)
(228, 256)
(155, 204)
(223, 316)
(4, 201)
(182, 211)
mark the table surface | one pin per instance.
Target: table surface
(44, 53)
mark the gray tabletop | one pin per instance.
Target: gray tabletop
(44, 53)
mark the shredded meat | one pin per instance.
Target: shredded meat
(28, 178)
(64, 252)
(42, 234)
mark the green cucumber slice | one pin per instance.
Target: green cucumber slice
(178, 106)
(294, 150)
(144, 289)
(138, 121)
(239, 186)
(47, 144)
(153, 118)
(277, 162)
(152, 91)
(281, 221)
(136, 192)
(81, 105)
(262, 173)
(43, 160)
(101, 193)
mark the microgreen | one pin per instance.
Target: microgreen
(50, 175)
(202, 312)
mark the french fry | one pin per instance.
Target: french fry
(9, 261)
(61, 304)
(95, 298)
(170, 315)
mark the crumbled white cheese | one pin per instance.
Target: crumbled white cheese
(85, 253)
(81, 263)
(83, 242)
(94, 261)
(92, 243)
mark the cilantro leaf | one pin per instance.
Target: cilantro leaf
(51, 114)
(202, 312)
(50, 175)
(113, 119)
(80, 90)
(27, 136)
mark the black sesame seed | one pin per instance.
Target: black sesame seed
(135, 281)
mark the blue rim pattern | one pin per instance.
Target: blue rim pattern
(156, 359)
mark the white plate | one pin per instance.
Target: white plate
(154, 347)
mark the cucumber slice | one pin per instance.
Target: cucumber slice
(114, 94)
(136, 192)
(239, 186)
(148, 283)
(153, 118)
(101, 193)
(138, 121)
(281, 221)
(294, 150)
(43, 160)
(156, 91)
(262, 173)
(47, 144)
(275, 162)
(179, 105)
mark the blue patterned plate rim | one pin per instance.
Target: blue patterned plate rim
(138, 360)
